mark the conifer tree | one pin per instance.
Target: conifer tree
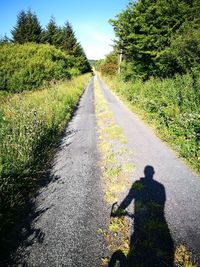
(69, 41)
(4, 40)
(53, 33)
(83, 63)
(27, 29)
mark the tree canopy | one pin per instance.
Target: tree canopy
(29, 29)
(147, 32)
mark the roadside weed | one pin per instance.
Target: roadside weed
(30, 124)
(170, 106)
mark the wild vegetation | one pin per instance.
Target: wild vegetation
(31, 121)
(28, 66)
(155, 67)
(35, 56)
(30, 124)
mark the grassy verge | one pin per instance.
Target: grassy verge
(30, 124)
(171, 106)
(117, 171)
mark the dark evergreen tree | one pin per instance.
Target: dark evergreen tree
(53, 34)
(27, 29)
(83, 63)
(5, 40)
(69, 41)
(72, 47)
(19, 31)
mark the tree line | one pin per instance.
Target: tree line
(29, 29)
(39, 54)
(158, 38)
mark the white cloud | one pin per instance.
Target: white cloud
(97, 51)
(95, 42)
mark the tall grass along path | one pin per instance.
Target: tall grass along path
(62, 229)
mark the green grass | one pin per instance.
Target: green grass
(116, 169)
(171, 106)
(30, 124)
(116, 172)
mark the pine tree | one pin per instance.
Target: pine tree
(19, 31)
(52, 34)
(5, 40)
(82, 61)
(69, 41)
(27, 29)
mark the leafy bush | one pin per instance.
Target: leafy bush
(28, 66)
(109, 65)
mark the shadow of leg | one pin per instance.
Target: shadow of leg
(118, 259)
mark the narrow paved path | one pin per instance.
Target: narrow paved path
(182, 187)
(71, 207)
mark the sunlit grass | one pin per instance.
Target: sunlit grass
(170, 106)
(116, 172)
(30, 124)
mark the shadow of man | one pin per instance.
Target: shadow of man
(151, 243)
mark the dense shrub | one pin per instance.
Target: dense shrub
(28, 66)
(109, 65)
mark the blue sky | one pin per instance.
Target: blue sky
(89, 19)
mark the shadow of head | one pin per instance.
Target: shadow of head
(149, 172)
(118, 259)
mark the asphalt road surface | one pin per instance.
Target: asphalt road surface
(182, 187)
(70, 209)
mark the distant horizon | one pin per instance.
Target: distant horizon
(89, 20)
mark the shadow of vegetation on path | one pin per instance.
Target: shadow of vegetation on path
(17, 223)
(151, 243)
(23, 234)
